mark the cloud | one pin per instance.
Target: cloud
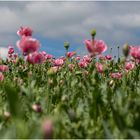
(3, 52)
(116, 22)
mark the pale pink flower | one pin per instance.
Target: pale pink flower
(83, 64)
(71, 67)
(10, 50)
(28, 45)
(87, 58)
(108, 57)
(48, 129)
(1, 77)
(24, 31)
(116, 75)
(63, 58)
(138, 61)
(95, 47)
(36, 58)
(78, 57)
(99, 67)
(44, 53)
(129, 66)
(70, 54)
(55, 69)
(135, 52)
(14, 61)
(101, 57)
(49, 56)
(10, 55)
(4, 68)
(58, 62)
(15, 55)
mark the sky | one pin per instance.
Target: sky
(53, 23)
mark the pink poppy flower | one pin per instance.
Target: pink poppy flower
(10, 50)
(116, 75)
(83, 64)
(58, 62)
(87, 58)
(44, 53)
(10, 56)
(70, 54)
(78, 58)
(71, 67)
(99, 67)
(63, 58)
(1, 77)
(48, 129)
(48, 56)
(15, 55)
(108, 57)
(28, 45)
(101, 57)
(24, 31)
(4, 68)
(135, 52)
(36, 58)
(138, 61)
(95, 47)
(129, 66)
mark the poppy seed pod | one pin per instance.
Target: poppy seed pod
(126, 50)
(66, 45)
(93, 33)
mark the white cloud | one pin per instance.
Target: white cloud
(3, 52)
(116, 22)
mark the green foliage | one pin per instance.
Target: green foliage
(80, 105)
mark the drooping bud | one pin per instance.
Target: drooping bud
(37, 107)
(66, 45)
(126, 50)
(93, 33)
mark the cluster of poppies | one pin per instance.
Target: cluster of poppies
(29, 47)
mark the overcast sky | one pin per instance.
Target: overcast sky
(56, 22)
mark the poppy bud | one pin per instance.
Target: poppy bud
(66, 45)
(126, 50)
(36, 107)
(93, 33)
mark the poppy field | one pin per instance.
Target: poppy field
(91, 96)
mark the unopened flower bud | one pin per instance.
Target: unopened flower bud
(93, 33)
(66, 45)
(126, 50)
(37, 107)
(48, 129)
